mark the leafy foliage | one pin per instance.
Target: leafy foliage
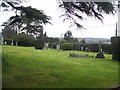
(24, 39)
(83, 41)
(73, 10)
(8, 32)
(67, 46)
(39, 44)
(28, 19)
(68, 38)
(68, 35)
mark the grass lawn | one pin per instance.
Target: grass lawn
(25, 67)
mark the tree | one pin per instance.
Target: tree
(68, 35)
(28, 19)
(73, 10)
(83, 41)
(8, 32)
(24, 39)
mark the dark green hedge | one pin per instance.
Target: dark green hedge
(92, 47)
(107, 48)
(67, 46)
(23, 39)
(39, 44)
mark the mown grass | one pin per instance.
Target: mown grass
(25, 67)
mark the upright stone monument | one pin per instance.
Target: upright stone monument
(100, 54)
(12, 42)
(115, 41)
(58, 47)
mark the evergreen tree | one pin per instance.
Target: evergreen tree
(68, 35)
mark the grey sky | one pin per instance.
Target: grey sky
(94, 28)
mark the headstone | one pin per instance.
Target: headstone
(81, 48)
(2, 41)
(80, 55)
(58, 47)
(86, 49)
(5, 42)
(16, 44)
(100, 54)
(46, 45)
(12, 42)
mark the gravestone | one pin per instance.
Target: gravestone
(12, 42)
(58, 47)
(86, 49)
(82, 48)
(5, 42)
(16, 43)
(46, 45)
(80, 55)
(2, 41)
(100, 54)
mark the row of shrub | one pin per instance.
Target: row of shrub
(21, 42)
(77, 46)
(24, 40)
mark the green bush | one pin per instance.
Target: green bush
(92, 47)
(39, 44)
(24, 40)
(67, 46)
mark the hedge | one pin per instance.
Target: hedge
(92, 47)
(107, 48)
(67, 46)
(39, 44)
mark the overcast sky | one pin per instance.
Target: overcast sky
(94, 28)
